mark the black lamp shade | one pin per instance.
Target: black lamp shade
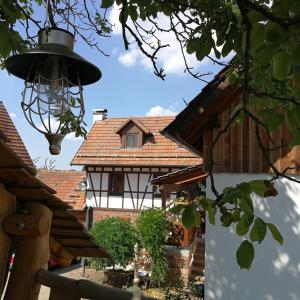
(24, 65)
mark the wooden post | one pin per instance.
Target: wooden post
(32, 253)
(59, 295)
(7, 207)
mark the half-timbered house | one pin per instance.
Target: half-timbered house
(275, 272)
(121, 156)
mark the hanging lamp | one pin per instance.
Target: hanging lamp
(54, 76)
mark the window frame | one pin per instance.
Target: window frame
(110, 184)
(136, 136)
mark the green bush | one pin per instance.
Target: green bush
(153, 228)
(118, 237)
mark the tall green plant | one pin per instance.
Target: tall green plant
(153, 228)
(118, 237)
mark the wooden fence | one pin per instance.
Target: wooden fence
(63, 288)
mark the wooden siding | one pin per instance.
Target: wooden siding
(238, 151)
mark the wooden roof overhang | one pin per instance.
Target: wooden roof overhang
(183, 176)
(237, 149)
(178, 181)
(188, 127)
(17, 178)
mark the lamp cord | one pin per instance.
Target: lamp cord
(47, 15)
(68, 14)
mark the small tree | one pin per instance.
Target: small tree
(153, 228)
(118, 237)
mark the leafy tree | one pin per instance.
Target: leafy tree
(118, 237)
(152, 225)
(262, 35)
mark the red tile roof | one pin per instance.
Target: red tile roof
(103, 146)
(15, 142)
(66, 183)
(136, 122)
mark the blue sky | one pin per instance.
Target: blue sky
(128, 88)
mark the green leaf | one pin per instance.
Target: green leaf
(237, 13)
(263, 55)
(197, 219)
(243, 225)
(273, 120)
(258, 187)
(205, 46)
(257, 36)
(245, 188)
(281, 65)
(230, 195)
(273, 33)
(295, 55)
(5, 40)
(245, 255)
(236, 215)
(193, 45)
(227, 48)
(212, 214)
(258, 231)
(275, 233)
(292, 120)
(133, 13)
(107, 3)
(246, 204)
(190, 217)
(226, 219)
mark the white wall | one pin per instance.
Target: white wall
(275, 273)
(94, 199)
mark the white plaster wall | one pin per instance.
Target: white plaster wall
(103, 202)
(275, 273)
(116, 201)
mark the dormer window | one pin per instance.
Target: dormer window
(133, 134)
(131, 140)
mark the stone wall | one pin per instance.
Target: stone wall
(178, 260)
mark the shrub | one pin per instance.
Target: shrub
(153, 228)
(118, 237)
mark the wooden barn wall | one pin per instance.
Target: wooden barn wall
(8, 207)
(238, 151)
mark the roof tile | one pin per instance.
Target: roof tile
(15, 142)
(66, 183)
(103, 146)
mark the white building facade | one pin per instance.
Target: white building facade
(121, 156)
(275, 272)
(124, 187)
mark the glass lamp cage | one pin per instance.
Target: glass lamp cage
(54, 75)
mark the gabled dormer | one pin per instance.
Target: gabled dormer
(133, 134)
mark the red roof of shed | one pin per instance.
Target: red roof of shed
(15, 142)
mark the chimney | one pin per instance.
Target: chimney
(99, 114)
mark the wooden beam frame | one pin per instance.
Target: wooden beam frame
(66, 289)
(32, 253)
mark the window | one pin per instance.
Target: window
(131, 140)
(116, 184)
